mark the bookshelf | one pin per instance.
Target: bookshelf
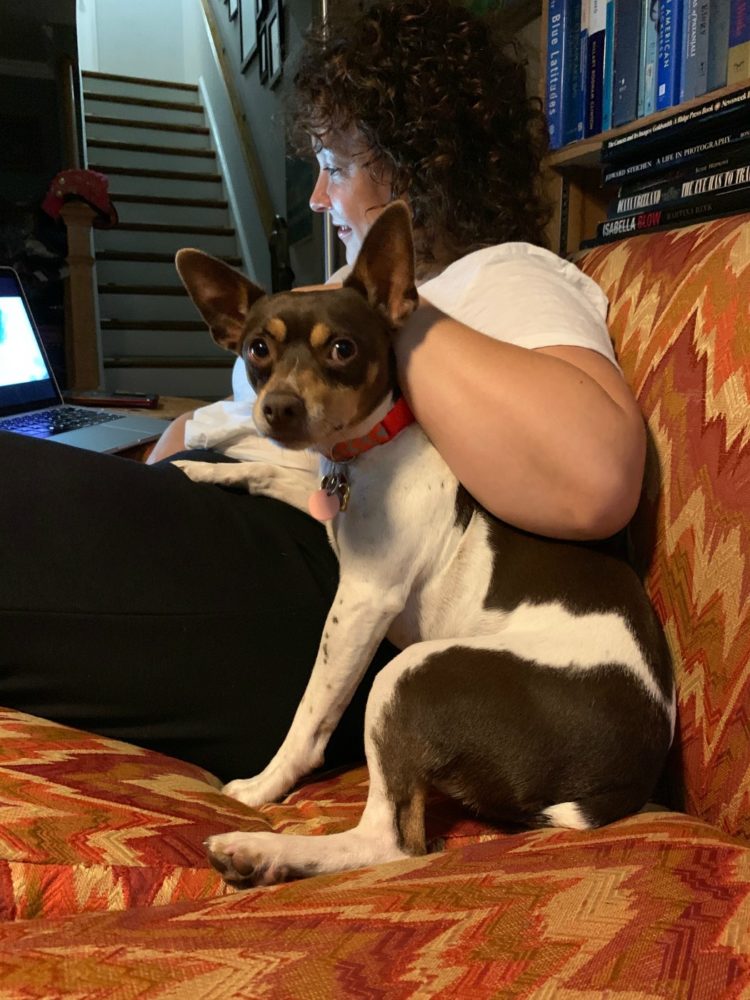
(573, 174)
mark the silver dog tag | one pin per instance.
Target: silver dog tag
(336, 484)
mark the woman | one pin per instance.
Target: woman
(187, 617)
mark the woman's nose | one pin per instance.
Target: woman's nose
(319, 200)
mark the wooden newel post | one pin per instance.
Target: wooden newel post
(82, 338)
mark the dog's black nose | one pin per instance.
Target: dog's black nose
(283, 409)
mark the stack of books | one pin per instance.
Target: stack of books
(685, 167)
(610, 62)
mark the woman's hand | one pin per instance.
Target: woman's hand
(550, 440)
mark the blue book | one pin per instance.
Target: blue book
(627, 57)
(597, 28)
(649, 56)
(694, 74)
(670, 53)
(583, 68)
(572, 95)
(554, 72)
(609, 46)
(738, 57)
(564, 108)
(718, 43)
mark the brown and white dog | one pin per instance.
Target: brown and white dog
(534, 684)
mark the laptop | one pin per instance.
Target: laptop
(30, 400)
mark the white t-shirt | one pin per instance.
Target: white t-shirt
(515, 292)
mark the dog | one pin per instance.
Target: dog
(534, 683)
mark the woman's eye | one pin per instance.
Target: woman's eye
(343, 350)
(258, 350)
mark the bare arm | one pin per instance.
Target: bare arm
(171, 441)
(550, 440)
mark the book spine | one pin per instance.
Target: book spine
(711, 116)
(689, 50)
(666, 161)
(583, 68)
(572, 99)
(701, 73)
(647, 67)
(737, 155)
(554, 106)
(626, 61)
(597, 27)
(738, 57)
(718, 44)
(693, 210)
(670, 34)
(608, 82)
(680, 191)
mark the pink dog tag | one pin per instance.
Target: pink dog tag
(322, 506)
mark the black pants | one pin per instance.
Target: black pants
(137, 604)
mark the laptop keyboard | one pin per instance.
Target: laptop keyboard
(57, 420)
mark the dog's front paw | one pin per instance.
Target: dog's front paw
(258, 790)
(241, 860)
(199, 472)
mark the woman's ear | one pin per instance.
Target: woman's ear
(384, 271)
(222, 295)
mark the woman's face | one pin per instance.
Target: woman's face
(345, 188)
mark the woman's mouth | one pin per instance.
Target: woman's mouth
(344, 232)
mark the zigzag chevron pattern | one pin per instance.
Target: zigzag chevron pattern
(621, 912)
(680, 319)
(104, 887)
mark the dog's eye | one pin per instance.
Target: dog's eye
(343, 350)
(258, 350)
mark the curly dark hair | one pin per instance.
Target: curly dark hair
(439, 96)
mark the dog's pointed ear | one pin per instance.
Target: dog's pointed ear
(384, 270)
(222, 295)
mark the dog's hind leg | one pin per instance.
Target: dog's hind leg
(391, 827)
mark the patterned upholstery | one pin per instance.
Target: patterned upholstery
(104, 887)
(680, 319)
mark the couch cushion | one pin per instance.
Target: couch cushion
(680, 319)
(655, 906)
(90, 823)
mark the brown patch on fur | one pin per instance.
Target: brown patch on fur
(319, 334)
(410, 822)
(276, 328)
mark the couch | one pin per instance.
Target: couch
(105, 889)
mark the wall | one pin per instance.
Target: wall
(138, 38)
(169, 40)
(289, 183)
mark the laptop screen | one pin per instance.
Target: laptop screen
(26, 382)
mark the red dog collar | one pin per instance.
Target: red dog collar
(397, 418)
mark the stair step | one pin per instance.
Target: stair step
(170, 175)
(139, 147)
(111, 288)
(191, 214)
(119, 78)
(153, 324)
(163, 361)
(159, 126)
(159, 227)
(142, 102)
(146, 199)
(195, 383)
(170, 304)
(152, 258)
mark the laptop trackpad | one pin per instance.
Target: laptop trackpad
(104, 438)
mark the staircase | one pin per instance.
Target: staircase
(151, 140)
